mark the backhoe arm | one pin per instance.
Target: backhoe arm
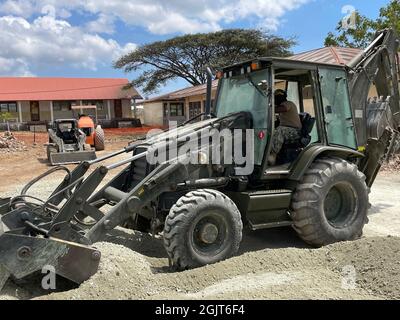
(377, 120)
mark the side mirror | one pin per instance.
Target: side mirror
(263, 85)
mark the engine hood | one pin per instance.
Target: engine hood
(181, 132)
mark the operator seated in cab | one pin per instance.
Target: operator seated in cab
(289, 129)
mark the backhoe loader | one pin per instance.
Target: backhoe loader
(198, 200)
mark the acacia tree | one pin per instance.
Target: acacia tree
(357, 37)
(363, 32)
(187, 56)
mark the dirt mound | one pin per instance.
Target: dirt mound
(376, 261)
(123, 274)
(8, 143)
(287, 273)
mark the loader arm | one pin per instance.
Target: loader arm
(377, 120)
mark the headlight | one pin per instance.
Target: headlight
(203, 157)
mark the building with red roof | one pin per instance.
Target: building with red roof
(42, 100)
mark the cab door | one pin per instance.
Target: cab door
(337, 111)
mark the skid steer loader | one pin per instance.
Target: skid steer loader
(320, 187)
(73, 141)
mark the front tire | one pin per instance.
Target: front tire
(331, 203)
(203, 227)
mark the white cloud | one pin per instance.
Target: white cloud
(164, 17)
(21, 8)
(37, 32)
(48, 41)
(14, 67)
(104, 24)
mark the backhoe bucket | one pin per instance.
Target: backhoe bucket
(22, 255)
(71, 157)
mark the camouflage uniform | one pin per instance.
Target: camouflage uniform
(284, 135)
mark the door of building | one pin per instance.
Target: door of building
(118, 108)
(35, 112)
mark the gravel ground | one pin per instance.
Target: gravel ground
(271, 264)
(286, 273)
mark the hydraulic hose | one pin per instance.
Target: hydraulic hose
(43, 175)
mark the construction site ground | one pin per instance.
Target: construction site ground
(271, 264)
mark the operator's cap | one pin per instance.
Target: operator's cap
(280, 93)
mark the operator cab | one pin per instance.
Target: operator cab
(250, 88)
(319, 92)
(297, 84)
(66, 130)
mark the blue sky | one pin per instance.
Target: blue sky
(81, 38)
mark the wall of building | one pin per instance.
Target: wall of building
(126, 109)
(44, 107)
(199, 98)
(45, 114)
(26, 110)
(102, 114)
(188, 100)
(153, 111)
(112, 111)
(63, 114)
(153, 114)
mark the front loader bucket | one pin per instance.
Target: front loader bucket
(71, 157)
(22, 255)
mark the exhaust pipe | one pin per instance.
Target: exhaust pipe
(357, 59)
(209, 89)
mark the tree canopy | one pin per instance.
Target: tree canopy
(362, 33)
(187, 56)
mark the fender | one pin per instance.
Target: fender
(308, 156)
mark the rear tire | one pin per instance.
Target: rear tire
(203, 227)
(99, 139)
(331, 203)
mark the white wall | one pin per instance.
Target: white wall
(153, 114)
(126, 109)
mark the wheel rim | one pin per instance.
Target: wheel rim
(341, 205)
(208, 236)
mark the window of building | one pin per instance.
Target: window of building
(194, 109)
(8, 107)
(62, 105)
(173, 110)
(176, 109)
(98, 103)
